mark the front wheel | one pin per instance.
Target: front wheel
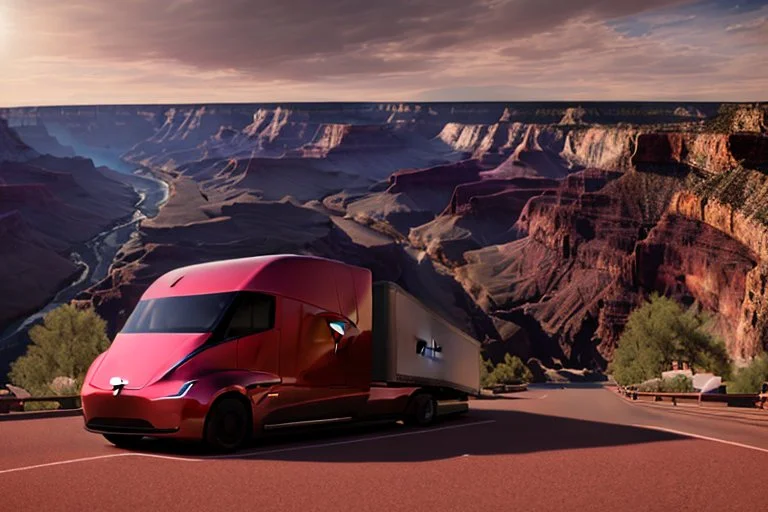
(124, 440)
(228, 426)
(423, 410)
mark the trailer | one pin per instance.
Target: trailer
(413, 345)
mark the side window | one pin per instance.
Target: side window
(254, 312)
(240, 324)
(263, 312)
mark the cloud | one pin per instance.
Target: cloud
(296, 37)
(286, 50)
(748, 26)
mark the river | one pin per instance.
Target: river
(94, 257)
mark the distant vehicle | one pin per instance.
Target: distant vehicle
(224, 350)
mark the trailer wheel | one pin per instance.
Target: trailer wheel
(423, 410)
(124, 441)
(228, 425)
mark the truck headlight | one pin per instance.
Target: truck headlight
(183, 390)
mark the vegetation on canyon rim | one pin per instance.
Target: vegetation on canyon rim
(64, 345)
(510, 371)
(658, 333)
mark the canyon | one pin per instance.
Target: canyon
(536, 227)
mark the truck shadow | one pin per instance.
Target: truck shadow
(481, 432)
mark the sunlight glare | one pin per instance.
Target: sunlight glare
(6, 25)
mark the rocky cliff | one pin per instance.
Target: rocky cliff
(539, 227)
(48, 206)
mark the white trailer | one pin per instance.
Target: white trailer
(413, 345)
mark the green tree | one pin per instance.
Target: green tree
(511, 371)
(751, 378)
(63, 346)
(660, 332)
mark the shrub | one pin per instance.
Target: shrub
(62, 349)
(751, 378)
(511, 371)
(677, 384)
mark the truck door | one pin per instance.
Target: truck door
(253, 323)
(314, 372)
(353, 345)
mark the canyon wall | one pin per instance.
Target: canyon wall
(538, 227)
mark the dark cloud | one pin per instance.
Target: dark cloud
(302, 39)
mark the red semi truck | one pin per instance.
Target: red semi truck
(224, 350)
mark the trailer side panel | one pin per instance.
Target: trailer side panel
(418, 346)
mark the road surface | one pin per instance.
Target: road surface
(581, 447)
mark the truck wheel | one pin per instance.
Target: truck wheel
(423, 411)
(228, 425)
(124, 441)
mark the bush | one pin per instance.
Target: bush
(751, 378)
(677, 384)
(660, 332)
(511, 371)
(486, 369)
(40, 406)
(62, 349)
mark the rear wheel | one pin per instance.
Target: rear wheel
(228, 426)
(124, 440)
(423, 410)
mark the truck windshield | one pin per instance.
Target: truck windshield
(192, 314)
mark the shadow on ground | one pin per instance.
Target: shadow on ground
(481, 432)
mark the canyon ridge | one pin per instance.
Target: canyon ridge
(536, 227)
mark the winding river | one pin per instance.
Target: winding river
(96, 255)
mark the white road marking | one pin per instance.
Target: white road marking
(350, 441)
(697, 436)
(242, 455)
(98, 457)
(543, 397)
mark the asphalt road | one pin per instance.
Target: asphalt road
(576, 448)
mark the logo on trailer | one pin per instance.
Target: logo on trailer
(429, 349)
(117, 383)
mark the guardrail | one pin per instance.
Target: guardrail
(10, 404)
(753, 400)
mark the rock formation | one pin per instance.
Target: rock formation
(539, 227)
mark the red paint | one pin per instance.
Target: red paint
(295, 359)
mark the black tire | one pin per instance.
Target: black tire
(423, 410)
(228, 426)
(124, 440)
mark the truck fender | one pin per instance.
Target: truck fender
(243, 382)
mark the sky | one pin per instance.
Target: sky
(63, 52)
